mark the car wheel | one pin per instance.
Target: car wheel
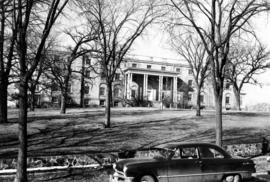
(232, 178)
(237, 178)
(147, 178)
(229, 178)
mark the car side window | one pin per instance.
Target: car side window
(176, 154)
(189, 153)
(210, 153)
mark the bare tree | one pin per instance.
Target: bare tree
(193, 51)
(7, 43)
(61, 67)
(245, 62)
(216, 22)
(27, 15)
(120, 23)
(88, 73)
(36, 78)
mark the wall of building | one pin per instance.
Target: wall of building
(145, 69)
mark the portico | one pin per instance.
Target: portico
(151, 85)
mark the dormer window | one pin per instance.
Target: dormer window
(163, 68)
(190, 71)
(190, 83)
(178, 70)
(227, 85)
(86, 89)
(117, 76)
(87, 60)
(134, 65)
(149, 66)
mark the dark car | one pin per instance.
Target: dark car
(193, 162)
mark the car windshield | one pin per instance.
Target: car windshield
(153, 154)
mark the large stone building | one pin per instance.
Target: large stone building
(140, 81)
(146, 80)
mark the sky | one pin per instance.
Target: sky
(155, 44)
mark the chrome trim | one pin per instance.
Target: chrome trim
(118, 174)
(202, 174)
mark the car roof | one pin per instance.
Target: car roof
(182, 144)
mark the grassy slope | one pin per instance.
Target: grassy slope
(81, 131)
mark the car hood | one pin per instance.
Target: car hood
(127, 162)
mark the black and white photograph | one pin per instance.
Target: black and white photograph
(134, 90)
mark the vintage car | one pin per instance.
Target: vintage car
(190, 162)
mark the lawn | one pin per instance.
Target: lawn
(82, 131)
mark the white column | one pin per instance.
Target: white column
(131, 77)
(128, 86)
(145, 85)
(125, 86)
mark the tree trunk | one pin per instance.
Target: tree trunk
(82, 105)
(21, 175)
(218, 101)
(3, 101)
(108, 106)
(33, 99)
(198, 106)
(63, 103)
(237, 98)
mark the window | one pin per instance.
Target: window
(87, 60)
(86, 89)
(190, 83)
(116, 92)
(178, 70)
(163, 68)
(189, 97)
(102, 102)
(134, 65)
(69, 101)
(189, 153)
(69, 89)
(176, 154)
(117, 76)
(133, 93)
(116, 103)
(227, 100)
(206, 152)
(227, 86)
(101, 91)
(56, 57)
(86, 102)
(55, 87)
(202, 98)
(54, 99)
(87, 73)
(148, 66)
(190, 71)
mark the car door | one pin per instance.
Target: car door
(185, 165)
(214, 164)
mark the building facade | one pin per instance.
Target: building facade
(149, 80)
(140, 81)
